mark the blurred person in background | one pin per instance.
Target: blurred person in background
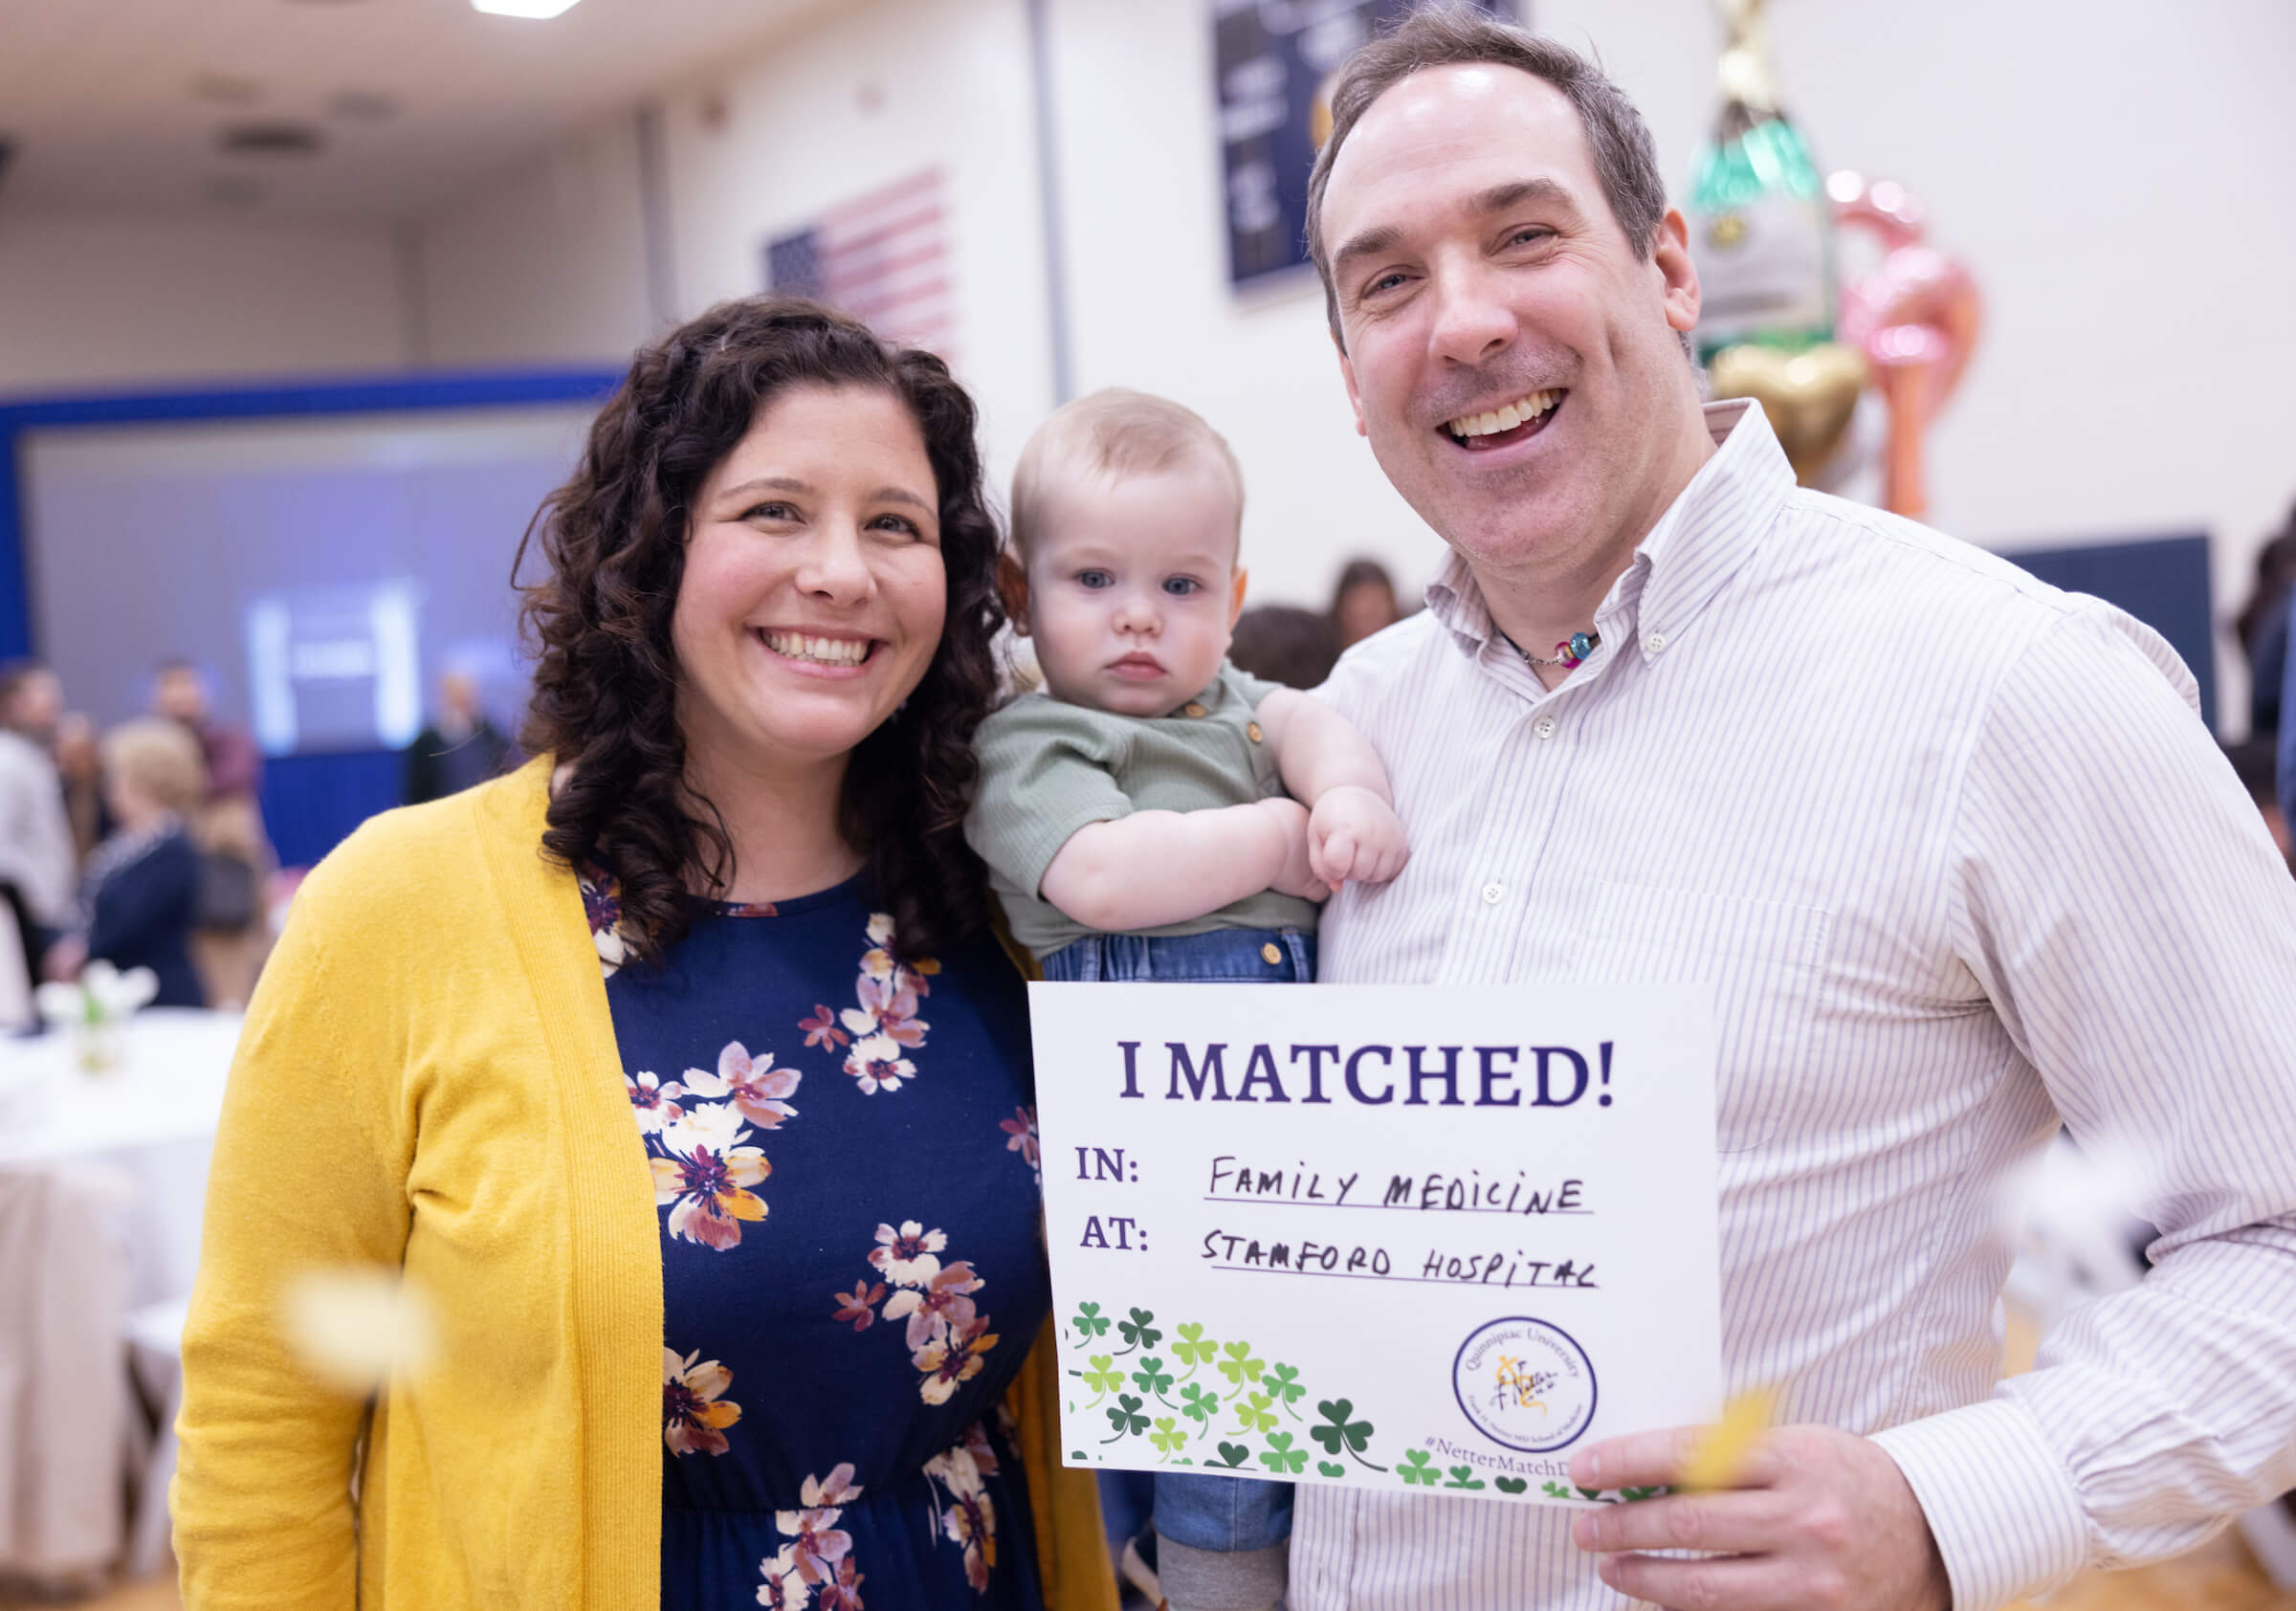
(1280, 643)
(1363, 602)
(140, 891)
(554, 1046)
(2261, 627)
(79, 765)
(235, 857)
(38, 862)
(459, 747)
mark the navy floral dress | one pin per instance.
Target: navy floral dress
(845, 1157)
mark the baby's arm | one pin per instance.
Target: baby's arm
(1154, 868)
(1352, 830)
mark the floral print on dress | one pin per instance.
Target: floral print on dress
(1020, 1133)
(758, 1087)
(655, 1103)
(693, 1414)
(947, 1334)
(702, 1175)
(821, 1558)
(884, 1026)
(969, 1516)
(602, 905)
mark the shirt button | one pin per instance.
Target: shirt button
(1544, 727)
(1655, 642)
(1191, 708)
(1494, 893)
(1252, 730)
(1270, 955)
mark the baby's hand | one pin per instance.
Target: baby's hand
(1299, 874)
(1353, 833)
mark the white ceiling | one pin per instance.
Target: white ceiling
(120, 104)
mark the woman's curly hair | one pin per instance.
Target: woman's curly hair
(606, 680)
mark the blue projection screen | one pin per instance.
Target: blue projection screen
(323, 569)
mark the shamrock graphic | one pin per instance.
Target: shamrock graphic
(1354, 1434)
(1285, 1387)
(1240, 1367)
(1417, 1467)
(1512, 1484)
(1555, 1491)
(1198, 1405)
(1255, 1413)
(1125, 1416)
(1151, 1377)
(1464, 1476)
(1281, 1458)
(1103, 1379)
(1330, 1467)
(1232, 1456)
(1193, 1348)
(1136, 1333)
(1167, 1437)
(1090, 1322)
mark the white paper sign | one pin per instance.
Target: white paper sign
(1405, 1237)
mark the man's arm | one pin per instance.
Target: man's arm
(1353, 829)
(1154, 868)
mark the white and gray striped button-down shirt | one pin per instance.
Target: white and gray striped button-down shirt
(1963, 864)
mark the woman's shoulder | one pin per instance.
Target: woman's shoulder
(435, 859)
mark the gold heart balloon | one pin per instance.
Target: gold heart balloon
(1809, 396)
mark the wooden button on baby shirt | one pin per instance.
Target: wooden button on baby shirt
(1191, 708)
(1252, 730)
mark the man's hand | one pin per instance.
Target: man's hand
(1298, 877)
(1817, 1520)
(1353, 833)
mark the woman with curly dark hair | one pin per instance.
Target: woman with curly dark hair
(678, 1071)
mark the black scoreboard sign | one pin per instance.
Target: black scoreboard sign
(1273, 62)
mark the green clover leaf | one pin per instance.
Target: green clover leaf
(1256, 1413)
(1167, 1437)
(1198, 1405)
(1512, 1484)
(1136, 1333)
(1416, 1468)
(1330, 1467)
(1464, 1476)
(1232, 1455)
(1354, 1434)
(1281, 1458)
(1103, 1378)
(1240, 1367)
(1555, 1491)
(1090, 1322)
(1193, 1348)
(1590, 1492)
(1631, 1494)
(1284, 1385)
(1125, 1416)
(1151, 1377)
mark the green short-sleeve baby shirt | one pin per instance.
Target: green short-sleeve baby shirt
(1048, 768)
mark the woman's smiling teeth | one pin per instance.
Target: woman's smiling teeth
(1496, 420)
(822, 651)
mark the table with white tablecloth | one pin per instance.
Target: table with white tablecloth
(103, 1178)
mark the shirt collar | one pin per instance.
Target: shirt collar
(1709, 529)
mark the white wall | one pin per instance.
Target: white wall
(546, 264)
(2115, 173)
(101, 301)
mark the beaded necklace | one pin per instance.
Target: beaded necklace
(1569, 652)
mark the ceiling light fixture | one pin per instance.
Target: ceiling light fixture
(540, 10)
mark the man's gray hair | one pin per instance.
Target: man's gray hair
(1448, 35)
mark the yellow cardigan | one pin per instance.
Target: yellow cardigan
(429, 1079)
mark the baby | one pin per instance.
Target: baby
(1134, 815)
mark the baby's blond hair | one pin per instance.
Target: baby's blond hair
(1114, 432)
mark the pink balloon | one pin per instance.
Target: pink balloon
(1916, 316)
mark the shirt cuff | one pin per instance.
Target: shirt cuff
(1999, 1503)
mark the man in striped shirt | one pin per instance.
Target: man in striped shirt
(1953, 846)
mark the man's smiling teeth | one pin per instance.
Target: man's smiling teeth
(826, 652)
(1504, 419)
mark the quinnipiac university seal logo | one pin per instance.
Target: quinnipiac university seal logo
(1525, 1384)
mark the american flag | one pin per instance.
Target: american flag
(882, 257)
